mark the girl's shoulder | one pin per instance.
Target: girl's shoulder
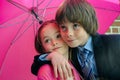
(46, 72)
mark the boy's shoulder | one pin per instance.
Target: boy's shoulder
(111, 36)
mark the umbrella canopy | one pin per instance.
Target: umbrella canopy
(107, 11)
(19, 20)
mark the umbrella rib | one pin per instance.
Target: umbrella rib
(49, 14)
(11, 45)
(46, 7)
(4, 58)
(38, 19)
(19, 5)
(40, 3)
(7, 24)
(17, 37)
(20, 29)
(49, 8)
(35, 27)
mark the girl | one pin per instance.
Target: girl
(47, 40)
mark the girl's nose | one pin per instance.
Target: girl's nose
(54, 42)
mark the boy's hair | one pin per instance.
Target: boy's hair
(78, 11)
(38, 44)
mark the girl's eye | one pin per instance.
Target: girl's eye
(58, 36)
(47, 41)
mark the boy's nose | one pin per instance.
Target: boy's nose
(69, 33)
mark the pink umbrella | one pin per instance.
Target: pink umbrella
(18, 25)
(107, 11)
(19, 20)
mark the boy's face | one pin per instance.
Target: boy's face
(51, 39)
(73, 34)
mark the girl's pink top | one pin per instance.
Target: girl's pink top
(46, 72)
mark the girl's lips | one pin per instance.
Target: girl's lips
(57, 48)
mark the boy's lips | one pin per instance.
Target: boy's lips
(70, 40)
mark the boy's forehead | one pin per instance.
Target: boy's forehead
(64, 20)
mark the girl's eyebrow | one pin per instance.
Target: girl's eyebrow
(45, 37)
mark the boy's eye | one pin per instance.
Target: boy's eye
(63, 28)
(75, 26)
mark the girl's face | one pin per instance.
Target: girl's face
(73, 34)
(51, 39)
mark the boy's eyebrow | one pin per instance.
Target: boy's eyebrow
(61, 25)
